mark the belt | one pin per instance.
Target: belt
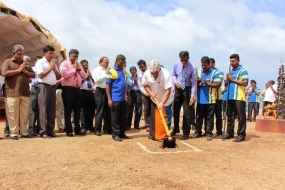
(87, 90)
(51, 85)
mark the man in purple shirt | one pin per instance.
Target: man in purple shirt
(184, 77)
(136, 100)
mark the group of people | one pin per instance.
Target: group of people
(73, 90)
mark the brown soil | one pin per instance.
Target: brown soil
(92, 162)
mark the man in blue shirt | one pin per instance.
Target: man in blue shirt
(208, 82)
(253, 93)
(238, 80)
(184, 77)
(218, 107)
(136, 100)
(116, 89)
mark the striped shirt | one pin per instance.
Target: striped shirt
(219, 90)
(207, 94)
(237, 92)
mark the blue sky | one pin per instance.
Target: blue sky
(161, 29)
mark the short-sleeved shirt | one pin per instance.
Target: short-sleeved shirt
(41, 66)
(253, 97)
(207, 94)
(237, 92)
(16, 85)
(224, 94)
(219, 90)
(159, 85)
(116, 78)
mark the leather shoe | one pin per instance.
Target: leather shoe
(7, 134)
(14, 138)
(209, 137)
(117, 138)
(197, 135)
(173, 133)
(228, 136)
(98, 133)
(45, 136)
(70, 134)
(52, 135)
(124, 136)
(27, 136)
(185, 137)
(239, 139)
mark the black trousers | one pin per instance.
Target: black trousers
(46, 102)
(182, 98)
(136, 104)
(219, 119)
(205, 112)
(103, 111)
(34, 111)
(71, 102)
(118, 113)
(252, 106)
(146, 109)
(88, 107)
(236, 108)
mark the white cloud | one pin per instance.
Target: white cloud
(206, 27)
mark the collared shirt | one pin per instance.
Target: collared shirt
(99, 75)
(219, 90)
(16, 85)
(270, 96)
(133, 85)
(68, 73)
(253, 97)
(190, 73)
(159, 85)
(35, 80)
(207, 94)
(41, 66)
(142, 89)
(237, 92)
(116, 78)
(84, 85)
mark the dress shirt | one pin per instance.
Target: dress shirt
(134, 85)
(190, 73)
(159, 85)
(41, 66)
(142, 89)
(68, 72)
(270, 96)
(35, 80)
(99, 75)
(85, 87)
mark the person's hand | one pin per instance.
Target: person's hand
(229, 77)
(147, 94)
(177, 85)
(129, 100)
(160, 106)
(22, 67)
(75, 64)
(192, 101)
(58, 82)
(88, 74)
(203, 82)
(153, 95)
(135, 78)
(110, 104)
(52, 64)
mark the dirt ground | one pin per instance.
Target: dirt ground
(92, 162)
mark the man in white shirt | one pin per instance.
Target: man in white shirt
(158, 83)
(34, 108)
(145, 96)
(48, 75)
(101, 100)
(87, 99)
(270, 93)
